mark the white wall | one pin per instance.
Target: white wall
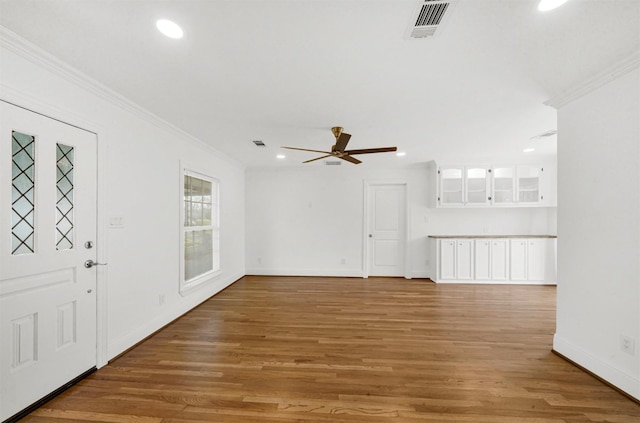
(139, 173)
(304, 221)
(599, 231)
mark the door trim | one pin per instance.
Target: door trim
(366, 254)
(16, 98)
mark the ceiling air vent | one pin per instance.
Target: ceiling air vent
(259, 143)
(428, 17)
(333, 163)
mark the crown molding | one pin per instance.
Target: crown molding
(36, 55)
(609, 74)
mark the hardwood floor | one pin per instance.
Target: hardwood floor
(311, 350)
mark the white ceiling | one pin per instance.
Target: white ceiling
(285, 72)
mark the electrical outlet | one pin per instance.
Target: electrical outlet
(259, 260)
(160, 299)
(343, 261)
(628, 345)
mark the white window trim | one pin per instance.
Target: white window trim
(187, 286)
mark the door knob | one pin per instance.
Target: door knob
(370, 236)
(90, 263)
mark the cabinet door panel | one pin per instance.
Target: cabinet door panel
(464, 259)
(536, 254)
(447, 259)
(477, 185)
(500, 259)
(518, 259)
(528, 184)
(503, 185)
(483, 259)
(451, 186)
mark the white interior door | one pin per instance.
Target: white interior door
(387, 229)
(47, 295)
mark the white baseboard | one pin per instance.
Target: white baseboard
(131, 338)
(343, 273)
(620, 379)
(492, 282)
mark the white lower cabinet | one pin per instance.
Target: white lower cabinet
(494, 260)
(518, 259)
(500, 259)
(528, 259)
(536, 260)
(483, 261)
(464, 259)
(455, 259)
(447, 259)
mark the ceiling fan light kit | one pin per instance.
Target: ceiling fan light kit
(338, 149)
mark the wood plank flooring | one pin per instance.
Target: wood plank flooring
(318, 350)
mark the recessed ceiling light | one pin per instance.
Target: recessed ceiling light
(169, 28)
(546, 5)
(281, 156)
(401, 153)
(528, 150)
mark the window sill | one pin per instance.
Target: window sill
(191, 285)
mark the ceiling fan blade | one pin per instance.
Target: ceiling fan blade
(318, 158)
(372, 150)
(342, 141)
(305, 149)
(350, 159)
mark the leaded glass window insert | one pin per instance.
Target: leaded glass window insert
(22, 193)
(64, 200)
(201, 226)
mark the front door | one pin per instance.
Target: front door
(47, 232)
(387, 229)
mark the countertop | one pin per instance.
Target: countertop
(490, 236)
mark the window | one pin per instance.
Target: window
(200, 229)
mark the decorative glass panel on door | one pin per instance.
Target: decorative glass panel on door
(64, 200)
(22, 193)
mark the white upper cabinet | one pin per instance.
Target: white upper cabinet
(499, 185)
(477, 185)
(528, 184)
(451, 184)
(517, 185)
(463, 186)
(504, 185)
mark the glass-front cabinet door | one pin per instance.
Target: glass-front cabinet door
(528, 182)
(451, 186)
(477, 185)
(504, 185)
